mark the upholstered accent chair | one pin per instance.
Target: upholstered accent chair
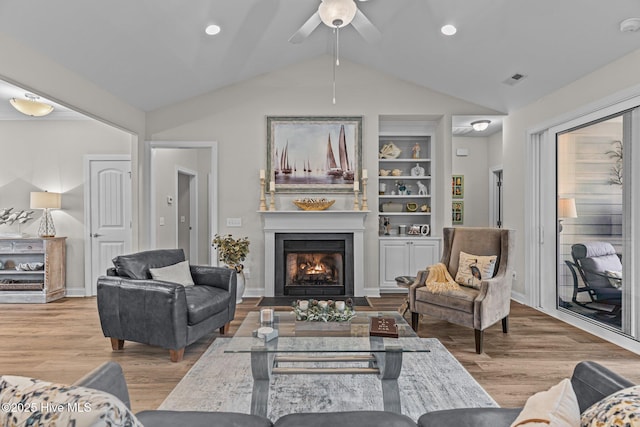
(599, 268)
(467, 306)
(135, 307)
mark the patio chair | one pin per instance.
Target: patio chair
(597, 272)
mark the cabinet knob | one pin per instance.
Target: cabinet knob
(96, 235)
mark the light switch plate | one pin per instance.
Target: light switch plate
(234, 222)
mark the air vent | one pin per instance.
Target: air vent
(516, 78)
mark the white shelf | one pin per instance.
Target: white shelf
(403, 160)
(402, 177)
(398, 196)
(21, 272)
(404, 213)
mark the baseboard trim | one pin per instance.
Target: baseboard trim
(76, 293)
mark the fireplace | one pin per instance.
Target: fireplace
(314, 264)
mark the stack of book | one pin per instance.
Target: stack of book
(383, 327)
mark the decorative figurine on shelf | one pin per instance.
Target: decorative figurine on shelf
(386, 224)
(422, 189)
(415, 151)
(402, 189)
(417, 170)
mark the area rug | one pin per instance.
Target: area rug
(429, 381)
(288, 301)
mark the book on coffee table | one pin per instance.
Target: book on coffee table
(383, 327)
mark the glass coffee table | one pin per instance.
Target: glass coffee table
(348, 343)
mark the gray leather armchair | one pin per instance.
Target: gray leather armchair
(134, 307)
(474, 308)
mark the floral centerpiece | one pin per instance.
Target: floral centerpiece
(232, 251)
(323, 311)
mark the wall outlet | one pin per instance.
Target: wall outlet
(161, 221)
(234, 222)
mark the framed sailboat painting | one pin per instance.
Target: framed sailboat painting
(314, 154)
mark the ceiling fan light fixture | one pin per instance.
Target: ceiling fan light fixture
(337, 13)
(31, 106)
(480, 125)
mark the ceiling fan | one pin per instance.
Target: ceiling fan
(337, 14)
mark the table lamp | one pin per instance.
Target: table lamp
(47, 201)
(566, 209)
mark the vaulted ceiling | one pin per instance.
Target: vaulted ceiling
(153, 53)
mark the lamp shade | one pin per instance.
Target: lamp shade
(45, 200)
(567, 208)
(337, 13)
(30, 106)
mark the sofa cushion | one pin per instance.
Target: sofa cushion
(200, 419)
(39, 403)
(205, 301)
(459, 299)
(557, 406)
(353, 418)
(176, 273)
(136, 266)
(473, 269)
(622, 408)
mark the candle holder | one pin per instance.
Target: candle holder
(365, 206)
(263, 199)
(272, 202)
(356, 202)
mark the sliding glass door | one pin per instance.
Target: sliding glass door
(590, 215)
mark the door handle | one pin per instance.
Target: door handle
(96, 235)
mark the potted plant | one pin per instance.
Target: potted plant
(233, 252)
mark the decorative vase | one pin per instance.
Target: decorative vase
(240, 287)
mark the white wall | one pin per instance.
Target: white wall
(235, 117)
(475, 168)
(166, 163)
(623, 74)
(48, 155)
(494, 150)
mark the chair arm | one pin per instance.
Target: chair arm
(109, 378)
(421, 279)
(219, 277)
(147, 311)
(493, 302)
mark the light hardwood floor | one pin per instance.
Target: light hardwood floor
(62, 340)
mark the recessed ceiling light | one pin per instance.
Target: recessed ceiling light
(448, 30)
(212, 29)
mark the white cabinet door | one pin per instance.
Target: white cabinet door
(394, 262)
(405, 257)
(423, 254)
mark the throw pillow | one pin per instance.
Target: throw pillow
(556, 407)
(621, 408)
(473, 269)
(176, 273)
(30, 402)
(615, 278)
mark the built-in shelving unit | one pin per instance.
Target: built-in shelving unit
(405, 201)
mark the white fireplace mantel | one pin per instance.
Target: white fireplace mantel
(328, 221)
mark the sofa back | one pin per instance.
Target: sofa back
(593, 382)
(136, 266)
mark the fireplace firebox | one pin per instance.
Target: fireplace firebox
(314, 264)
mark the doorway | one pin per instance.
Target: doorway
(197, 159)
(187, 217)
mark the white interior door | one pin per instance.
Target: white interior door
(109, 214)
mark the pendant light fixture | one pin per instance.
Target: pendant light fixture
(336, 14)
(31, 106)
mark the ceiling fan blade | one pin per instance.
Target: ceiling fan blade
(306, 29)
(366, 29)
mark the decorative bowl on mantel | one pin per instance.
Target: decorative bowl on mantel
(313, 204)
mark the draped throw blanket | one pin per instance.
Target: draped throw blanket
(439, 280)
